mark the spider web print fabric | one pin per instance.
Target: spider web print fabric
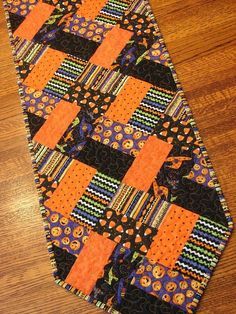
(134, 216)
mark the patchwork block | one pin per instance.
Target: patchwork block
(158, 54)
(176, 132)
(145, 166)
(102, 80)
(128, 100)
(21, 8)
(87, 28)
(38, 102)
(154, 73)
(139, 302)
(91, 101)
(71, 188)
(199, 255)
(166, 284)
(94, 200)
(15, 21)
(208, 205)
(122, 229)
(24, 69)
(75, 137)
(34, 20)
(56, 124)
(176, 167)
(66, 234)
(201, 171)
(90, 11)
(27, 50)
(105, 159)
(90, 263)
(147, 114)
(119, 136)
(64, 262)
(177, 108)
(113, 11)
(141, 206)
(111, 46)
(172, 235)
(50, 29)
(117, 273)
(45, 68)
(68, 72)
(74, 45)
(65, 6)
(35, 122)
(140, 43)
(50, 163)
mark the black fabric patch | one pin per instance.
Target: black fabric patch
(179, 131)
(154, 73)
(177, 165)
(144, 36)
(75, 137)
(74, 45)
(35, 123)
(130, 232)
(65, 5)
(199, 199)
(47, 186)
(105, 159)
(128, 57)
(15, 21)
(24, 69)
(64, 261)
(141, 25)
(116, 276)
(136, 301)
(92, 101)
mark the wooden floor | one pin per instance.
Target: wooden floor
(199, 35)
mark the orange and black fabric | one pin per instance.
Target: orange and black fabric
(134, 215)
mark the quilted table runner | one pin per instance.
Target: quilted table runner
(134, 216)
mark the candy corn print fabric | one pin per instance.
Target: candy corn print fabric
(134, 216)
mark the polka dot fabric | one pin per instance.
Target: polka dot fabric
(172, 235)
(134, 216)
(71, 188)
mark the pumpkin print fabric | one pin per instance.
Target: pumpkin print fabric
(134, 216)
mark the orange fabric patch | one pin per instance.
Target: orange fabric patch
(56, 124)
(172, 235)
(89, 10)
(90, 263)
(110, 48)
(43, 71)
(71, 188)
(146, 165)
(34, 20)
(128, 100)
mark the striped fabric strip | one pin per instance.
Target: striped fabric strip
(200, 254)
(95, 199)
(138, 6)
(68, 72)
(27, 50)
(139, 205)
(51, 163)
(176, 108)
(104, 80)
(146, 116)
(113, 11)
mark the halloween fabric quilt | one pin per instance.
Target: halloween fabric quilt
(134, 216)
